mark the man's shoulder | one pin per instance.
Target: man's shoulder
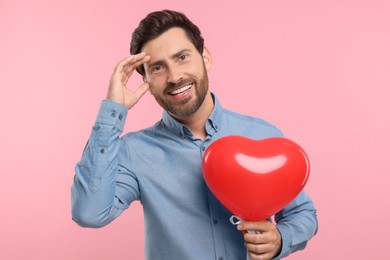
(238, 118)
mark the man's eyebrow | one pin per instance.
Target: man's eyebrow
(158, 62)
(173, 56)
(179, 53)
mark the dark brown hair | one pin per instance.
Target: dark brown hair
(156, 23)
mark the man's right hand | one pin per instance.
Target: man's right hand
(118, 91)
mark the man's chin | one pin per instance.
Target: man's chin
(182, 111)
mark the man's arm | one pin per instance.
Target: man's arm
(297, 223)
(94, 189)
(103, 184)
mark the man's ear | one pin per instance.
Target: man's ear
(207, 58)
(145, 81)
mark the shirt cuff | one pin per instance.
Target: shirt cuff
(112, 114)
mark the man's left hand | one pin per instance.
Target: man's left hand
(265, 245)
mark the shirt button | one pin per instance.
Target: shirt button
(221, 258)
(102, 150)
(120, 117)
(203, 148)
(215, 222)
(113, 114)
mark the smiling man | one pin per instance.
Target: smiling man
(161, 165)
(177, 75)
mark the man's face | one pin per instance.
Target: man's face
(177, 72)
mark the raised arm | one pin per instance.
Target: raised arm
(104, 185)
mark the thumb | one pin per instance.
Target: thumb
(137, 94)
(141, 90)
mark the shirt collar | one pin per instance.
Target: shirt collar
(212, 124)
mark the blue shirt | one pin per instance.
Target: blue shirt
(161, 167)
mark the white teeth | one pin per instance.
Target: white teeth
(180, 90)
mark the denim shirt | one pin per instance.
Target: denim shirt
(161, 167)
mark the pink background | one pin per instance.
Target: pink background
(317, 69)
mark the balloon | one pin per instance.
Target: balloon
(254, 179)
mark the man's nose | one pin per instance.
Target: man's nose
(175, 75)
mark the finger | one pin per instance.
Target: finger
(137, 94)
(255, 256)
(121, 67)
(133, 61)
(119, 70)
(263, 225)
(255, 238)
(259, 251)
(258, 248)
(263, 243)
(141, 90)
(130, 59)
(128, 71)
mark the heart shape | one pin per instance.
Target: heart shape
(254, 179)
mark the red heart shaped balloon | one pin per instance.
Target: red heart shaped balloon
(254, 179)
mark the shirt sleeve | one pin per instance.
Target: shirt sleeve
(98, 188)
(297, 223)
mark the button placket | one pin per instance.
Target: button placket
(216, 227)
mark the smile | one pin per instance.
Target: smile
(180, 90)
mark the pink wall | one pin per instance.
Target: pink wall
(317, 69)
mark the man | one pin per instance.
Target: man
(161, 165)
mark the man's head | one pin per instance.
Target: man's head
(156, 23)
(177, 68)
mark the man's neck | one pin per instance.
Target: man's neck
(197, 121)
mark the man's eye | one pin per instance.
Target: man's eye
(156, 69)
(183, 56)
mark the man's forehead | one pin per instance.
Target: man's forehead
(171, 41)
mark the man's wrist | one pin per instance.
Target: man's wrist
(112, 113)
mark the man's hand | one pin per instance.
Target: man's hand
(117, 90)
(262, 246)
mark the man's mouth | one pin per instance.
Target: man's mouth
(181, 90)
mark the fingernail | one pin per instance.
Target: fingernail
(239, 227)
